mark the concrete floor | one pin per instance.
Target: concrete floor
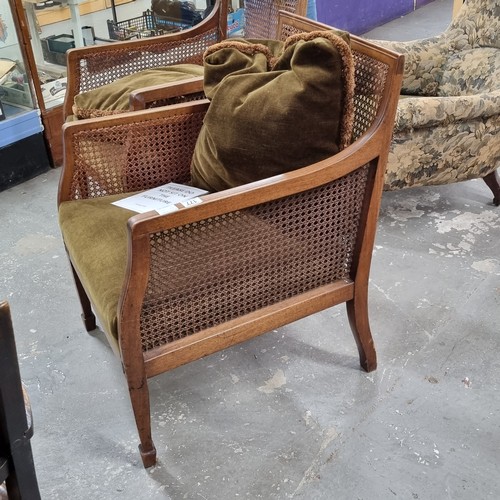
(289, 414)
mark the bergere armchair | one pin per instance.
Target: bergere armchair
(92, 67)
(448, 120)
(169, 289)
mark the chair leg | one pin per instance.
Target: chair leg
(139, 396)
(24, 483)
(357, 312)
(493, 182)
(87, 315)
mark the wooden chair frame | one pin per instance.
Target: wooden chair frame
(366, 157)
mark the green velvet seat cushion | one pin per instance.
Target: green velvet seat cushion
(95, 235)
(275, 107)
(113, 98)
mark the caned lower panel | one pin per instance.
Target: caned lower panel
(206, 273)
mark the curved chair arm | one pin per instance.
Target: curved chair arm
(469, 90)
(170, 93)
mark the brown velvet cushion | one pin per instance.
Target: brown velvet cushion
(95, 234)
(274, 107)
(113, 98)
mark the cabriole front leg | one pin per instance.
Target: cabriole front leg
(357, 312)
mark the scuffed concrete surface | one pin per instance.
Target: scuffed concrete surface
(289, 414)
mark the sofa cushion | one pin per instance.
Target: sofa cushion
(113, 98)
(275, 107)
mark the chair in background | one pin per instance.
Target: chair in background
(17, 468)
(448, 119)
(92, 67)
(261, 21)
(96, 67)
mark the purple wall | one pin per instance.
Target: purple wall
(360, 16)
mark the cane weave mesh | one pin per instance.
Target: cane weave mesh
(134, 156)
(370, 76)
(287, 30)
(261, 16)
(218, 269)
(101, 68)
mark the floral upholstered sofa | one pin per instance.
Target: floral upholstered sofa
(448, 119)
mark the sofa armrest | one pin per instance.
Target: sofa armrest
(427, 112)
(170, 93)
(93, 66)
(424, 60)
(129, 152)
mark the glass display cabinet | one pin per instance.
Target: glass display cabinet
(23, 151)
(48, 76)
